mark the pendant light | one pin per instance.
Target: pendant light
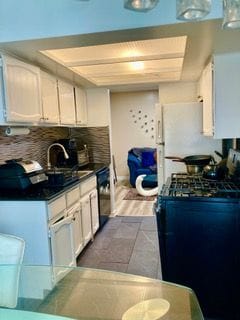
(140, 5)
(231, 14)
(192, 9)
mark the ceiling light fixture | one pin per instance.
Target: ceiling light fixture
(194, 10)
(140, 5)
(231, 14)
(137, 65)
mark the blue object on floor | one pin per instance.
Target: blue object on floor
(137, 166)
(151, 179)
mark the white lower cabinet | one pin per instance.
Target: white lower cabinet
(94, 210)
(55, 231)
(89, 207)
(86, 218)
(77, 229)
(62, 246)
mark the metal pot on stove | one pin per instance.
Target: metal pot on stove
(215, 171)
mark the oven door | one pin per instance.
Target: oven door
(62, 246)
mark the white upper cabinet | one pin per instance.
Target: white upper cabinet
(50, 112)
(81, 106)
(221, 96)
(21, 96)
(227, 95)
(66, 103)
(98, 103)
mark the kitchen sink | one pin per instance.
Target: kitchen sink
(83, 173)
(61, 176)
(64, 176)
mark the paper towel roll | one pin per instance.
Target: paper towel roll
(16, 131)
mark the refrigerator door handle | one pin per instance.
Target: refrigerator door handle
(159, 123)
(158, 126)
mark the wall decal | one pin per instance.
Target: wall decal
(141, 117)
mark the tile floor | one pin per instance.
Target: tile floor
(125, 244)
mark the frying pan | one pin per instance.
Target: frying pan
(198, 160)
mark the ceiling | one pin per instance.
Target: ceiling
(93, 60)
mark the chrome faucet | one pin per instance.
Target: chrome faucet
(66, 156)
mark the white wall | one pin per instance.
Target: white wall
(133, 124)
(178, 92)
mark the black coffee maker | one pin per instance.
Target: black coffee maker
(70, 146)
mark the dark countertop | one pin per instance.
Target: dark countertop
(43, 192)
(96, 167)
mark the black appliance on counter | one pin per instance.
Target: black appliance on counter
(199, 237)
(103, 188)
(70, 146)
(20, 174)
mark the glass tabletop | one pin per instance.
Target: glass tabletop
(33, 292)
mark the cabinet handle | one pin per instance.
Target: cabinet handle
(158, 129)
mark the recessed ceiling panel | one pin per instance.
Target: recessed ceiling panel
(151, 60)
(137, 78)
(94, 73)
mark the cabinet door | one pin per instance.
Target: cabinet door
(81, 106)
(227, 95)
(66, 103)
(94, 211)
(207, 95)
(50, 111)
(22, 91)
(77, 230)
(98, 103)
(86, 218)
(62, 246)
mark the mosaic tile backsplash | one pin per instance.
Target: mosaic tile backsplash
(97, 140)
(34, 145)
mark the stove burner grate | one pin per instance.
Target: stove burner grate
(184, 185)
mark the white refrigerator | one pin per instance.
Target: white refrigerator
(179, 133)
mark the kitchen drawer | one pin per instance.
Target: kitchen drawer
(72, 196)
(88, 185)
(56, 207)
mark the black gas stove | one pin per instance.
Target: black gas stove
(199, 240)
(184, 185)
